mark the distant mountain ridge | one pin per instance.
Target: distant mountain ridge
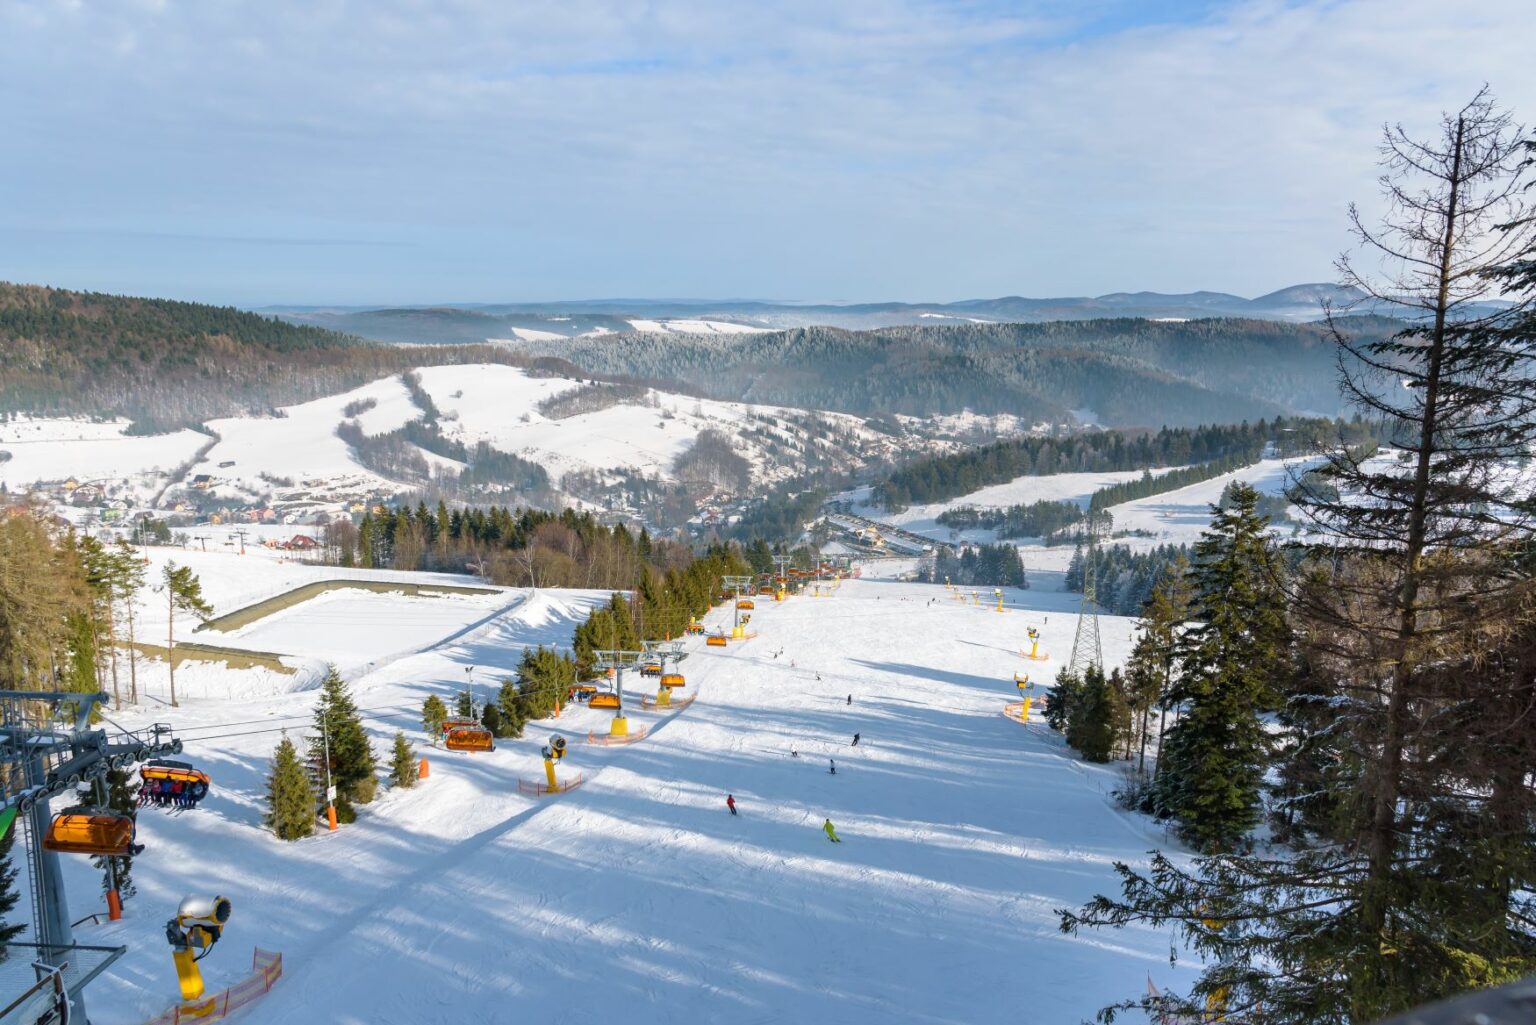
(1129, 372)
(472, 322)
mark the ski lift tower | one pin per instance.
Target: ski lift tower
(616, 662)
(781, 576)
(737, 584)
(664, 653)
(1087, 650)
(48, 748)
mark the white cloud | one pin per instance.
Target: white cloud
(866, 149)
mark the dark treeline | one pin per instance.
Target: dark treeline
(168, 364)
(590, 398)
(1148, 485)
(1033, 519)
(658, 608)
(940, 478)
(976, 566)
(1123, 579)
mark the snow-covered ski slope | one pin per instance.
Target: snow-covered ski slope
(638, 897)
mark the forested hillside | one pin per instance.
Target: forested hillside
(165, 363)
(940, 478)
(1128, 372)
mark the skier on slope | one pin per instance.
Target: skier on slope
(730, 802)
(850, 699)
(855, 741)
(831, 832)
(832, 766)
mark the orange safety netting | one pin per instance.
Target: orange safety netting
(266, 968)
(539, 787)
(677, 703)
(623, 738)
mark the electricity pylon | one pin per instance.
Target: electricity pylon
(1087, 650)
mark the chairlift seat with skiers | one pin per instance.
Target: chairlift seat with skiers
(172, 784)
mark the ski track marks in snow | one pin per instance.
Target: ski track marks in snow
(638, 896)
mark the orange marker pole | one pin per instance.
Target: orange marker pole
(114, 906)
(330, 816)
(424, 771)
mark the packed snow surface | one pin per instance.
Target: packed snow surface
(637, 897)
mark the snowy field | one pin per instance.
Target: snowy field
(52, 449)
(497, 404)
(637, 896)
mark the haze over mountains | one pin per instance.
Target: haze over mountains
(474, 322)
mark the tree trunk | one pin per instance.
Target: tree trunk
(133, 658)
(117, 694)
(170, 642)
(1387, 791)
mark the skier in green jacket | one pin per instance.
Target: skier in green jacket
(831, 833)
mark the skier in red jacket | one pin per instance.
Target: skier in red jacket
(730, 802)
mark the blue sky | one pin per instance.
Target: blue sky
(384, 151)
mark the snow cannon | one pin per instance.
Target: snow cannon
(1034, 646)
(198, 925)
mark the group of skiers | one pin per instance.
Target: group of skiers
(827, 827)
(171, 793)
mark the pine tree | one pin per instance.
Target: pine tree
(490, 718)
(1231, 672)
(339, 729)
(122, 798)
(1149, 671)
(1409, 865)
(185, 592)
(1099, 716)
(9, 895)
(1061, 700)
(433, 712)
(464, 704)
(508, 702)
(402, 763)
(290, 797)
